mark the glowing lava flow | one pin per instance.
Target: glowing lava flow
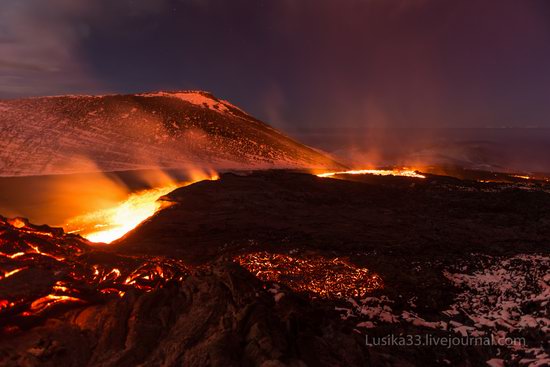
(376, 172)
(523, 177)
(315, 275)
(110, 224)
(42, 268)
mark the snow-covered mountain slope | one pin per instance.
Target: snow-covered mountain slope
(67, 134)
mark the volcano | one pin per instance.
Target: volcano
(74, 134)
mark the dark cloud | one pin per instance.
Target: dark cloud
(40, 45)
(40, 41)
(303, 63)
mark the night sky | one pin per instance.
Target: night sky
(294, 63)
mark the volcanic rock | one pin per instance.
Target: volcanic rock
(168, 294)
(216, 317)
(407, 217)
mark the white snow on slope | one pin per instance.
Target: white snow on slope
(197, 98)
(508, 297)
(59, 135)
(504, 298)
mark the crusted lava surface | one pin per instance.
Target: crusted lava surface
(42, 269)
(65, 302)
(396, 217)
(282, 268)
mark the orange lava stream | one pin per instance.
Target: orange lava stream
(376, 172)
(108, 225)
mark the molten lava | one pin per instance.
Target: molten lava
(42, 268)
(376, 172)
(522, 177)
(315, 275)
(109, 224)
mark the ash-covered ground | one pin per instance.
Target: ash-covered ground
(280, 268)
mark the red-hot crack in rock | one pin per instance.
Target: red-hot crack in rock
(315, 275)
(42, 268)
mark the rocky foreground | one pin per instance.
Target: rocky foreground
(281, 268)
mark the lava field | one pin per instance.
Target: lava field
(259, 268)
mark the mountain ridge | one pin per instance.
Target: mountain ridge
(163, 129)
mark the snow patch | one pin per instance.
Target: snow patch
(506, 299)
(197, 98)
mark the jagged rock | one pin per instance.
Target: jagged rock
(416, 238)
(216, 317)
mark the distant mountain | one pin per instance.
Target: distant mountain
(69, 134)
